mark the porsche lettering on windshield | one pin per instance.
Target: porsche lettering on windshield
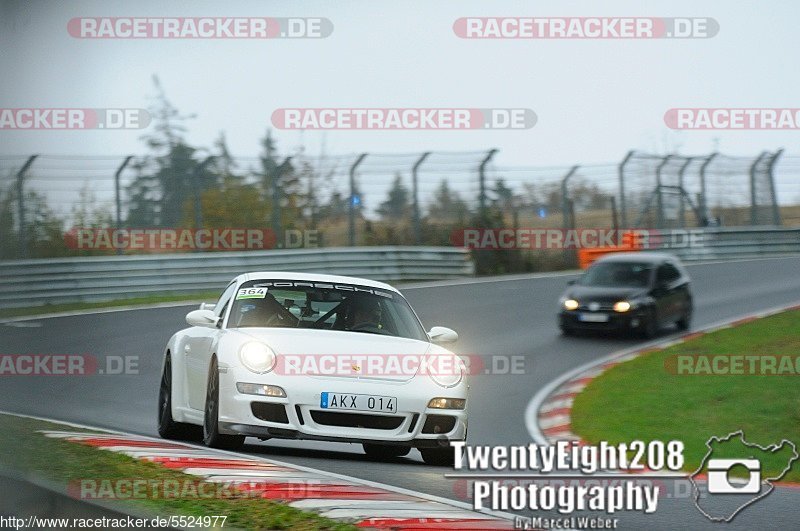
(325, 306)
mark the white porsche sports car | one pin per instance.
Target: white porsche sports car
(310, 356)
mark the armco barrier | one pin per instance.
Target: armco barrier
(37, 282)
(718, 243)
(62, 280)
(732, 243)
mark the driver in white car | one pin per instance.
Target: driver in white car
(366, 313)
(265, 312)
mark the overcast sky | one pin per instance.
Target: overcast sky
(595, 99)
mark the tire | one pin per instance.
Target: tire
(685, 322)
(167, 427)
(567, 331)
(385, 451)
(211, 435)
(649, 326)
(438, 456)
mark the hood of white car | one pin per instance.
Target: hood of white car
(337, 354)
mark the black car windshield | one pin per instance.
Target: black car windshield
(324, 306)
(618, 274)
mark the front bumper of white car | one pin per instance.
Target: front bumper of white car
(300, 416)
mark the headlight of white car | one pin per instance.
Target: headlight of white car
(257, 357)
(446, 370)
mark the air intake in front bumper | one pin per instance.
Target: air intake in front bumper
(270, 412)
(357, 420)
(439, 424)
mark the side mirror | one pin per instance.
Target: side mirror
(571, 282)
(204, 318)
(207, 305)
(440, 334)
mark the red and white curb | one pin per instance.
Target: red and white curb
(548, 416)
(365, 504)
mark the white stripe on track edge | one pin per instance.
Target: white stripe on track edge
(226, 453)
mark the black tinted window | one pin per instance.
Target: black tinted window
(668, 273)
(623, 274)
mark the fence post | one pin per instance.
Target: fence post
(614, 215)
(23, 235)
(198, 205)
(567, 221)
(351, 221)
(118, 196)
(482, 184)
(568, 215)
(415, 197)
(703, 200)
(571, 255)
(623, 206)
(659, 199)
(277, 225)
(753, 196)
(776, 212)
(681, 172)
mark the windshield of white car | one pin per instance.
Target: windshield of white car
(324, 306)
(618, 274)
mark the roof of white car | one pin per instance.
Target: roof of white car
(313, 277)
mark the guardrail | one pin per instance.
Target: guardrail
(728, 243)
(86, 279)
(26, 283)
(740, 242)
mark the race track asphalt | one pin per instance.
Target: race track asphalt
(499, 316)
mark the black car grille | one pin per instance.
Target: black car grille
(603, 306)
(357, 420)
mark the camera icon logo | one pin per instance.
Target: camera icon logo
(720, 482)
(734, 478)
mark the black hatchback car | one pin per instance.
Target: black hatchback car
(636, 292)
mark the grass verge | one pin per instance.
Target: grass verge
(646, 398)
(29, 452)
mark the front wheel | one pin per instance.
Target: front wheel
(686, 321)
(438, 456)
(211, 435)
(649, 325)
(167, 427)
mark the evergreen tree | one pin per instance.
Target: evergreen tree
(166, 179)
(397, 205)
(448, 205)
